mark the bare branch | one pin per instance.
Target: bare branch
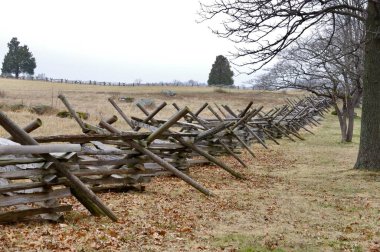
(264, 28)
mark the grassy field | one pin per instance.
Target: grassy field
(301, 196)
(93, 100)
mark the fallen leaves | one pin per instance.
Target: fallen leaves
(171, 216)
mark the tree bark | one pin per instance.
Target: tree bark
(351, 118)
(346, 117)
(369, 149)
(342, 122)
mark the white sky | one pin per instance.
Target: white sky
(114, 40)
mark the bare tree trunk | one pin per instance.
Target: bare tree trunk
(342, 122)
(351, 118)
(346, 117)
(369, 149)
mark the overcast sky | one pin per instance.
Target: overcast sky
(114, 40)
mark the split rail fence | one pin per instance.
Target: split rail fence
(36, 172)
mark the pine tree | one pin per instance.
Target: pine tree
(220, 73)
(18, 60)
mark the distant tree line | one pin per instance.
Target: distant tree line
(42, 77)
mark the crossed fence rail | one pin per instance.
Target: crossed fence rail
(36, 172)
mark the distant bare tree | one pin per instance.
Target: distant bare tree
(192, 82)
(177, 82)
(138, 81)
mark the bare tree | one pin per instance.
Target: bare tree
(138, 81)
(264, 28)
(192, 83)
(330, 68)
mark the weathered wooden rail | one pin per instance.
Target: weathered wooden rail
(36, 172)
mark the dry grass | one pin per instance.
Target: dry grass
(2, 94)
(301, 196)
(93, 100)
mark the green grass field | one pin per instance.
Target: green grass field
(301, 196)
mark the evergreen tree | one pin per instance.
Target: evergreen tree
(220, 73)
(18, 60)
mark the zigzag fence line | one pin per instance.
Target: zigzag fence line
(36, 172)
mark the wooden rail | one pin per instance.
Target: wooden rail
(40, 171)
